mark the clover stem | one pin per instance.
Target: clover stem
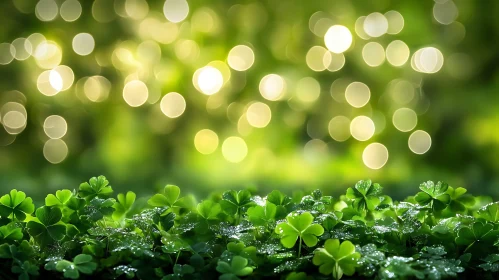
(176, 259)
(299, 248)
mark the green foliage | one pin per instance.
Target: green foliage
(238, 267)
(440, 233)
(233, 203)
(82, 263)
(434, 195)
(365, 195)
(96, 187)
(16, 205)
(336, 259)
(299, 226)
(123, 205)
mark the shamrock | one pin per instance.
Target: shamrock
(433, 194)
(48, 228)
(281, 201)
(234, 203)
(489, 212)
(96, 187)
(81, 263)
(123, 205)
(209, 209)
(16, 205)
(238, 267)
(10, 233)
(459, 200)
(299, 226)
(262, 215)
(479, 235)
(336, 259)
(60, 198)
(170, 198)
(365, 195)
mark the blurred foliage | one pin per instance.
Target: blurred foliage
(141, 149)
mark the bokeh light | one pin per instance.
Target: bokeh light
(395, 22)
(272, 87)
(405, 119)
(241, 58)
(173, 105)
(373, 54)
(176, 10)
(83, 44)
(96, 88)
(427, 60)
(333, 61)
(375, 24)
(419, 142)
(206, 141)
(46, 10)
(234, 149)
(397, 53)
(339, 128)
(338, 39)
(71, 10)
(362, 128)
(357, 94)
(135, 93)
(7, 52)
(208, 80)
(258, 114)
(375, 155)
(308, 89)
(55, 126)
(445, 12)
(55, 151)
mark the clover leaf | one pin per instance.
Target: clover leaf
(168, 198)
(82, 263)
(365, 195)
(48, 228)
(336, 259)
(281, 201)
(123, 204)
(299, 226)
(60, 198)
(434, 195)
(479, 235)
(25, 269)
(262, 215)
(491, 263)
(489, 212)
(10, 232)
(16, 205)
(233, 203)
(209, 209)
(238, 248)
(459, 200)
(96, 187)
(238, 267)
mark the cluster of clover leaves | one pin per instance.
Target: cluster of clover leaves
(441, 232)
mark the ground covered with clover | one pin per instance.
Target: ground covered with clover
(440, 232)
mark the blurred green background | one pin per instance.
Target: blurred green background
(211, 95)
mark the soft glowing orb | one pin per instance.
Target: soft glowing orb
(272, 87)
(206, 141)
(241, 58)
(173, 105)
(338, 38)
(375, 155)
(258, 114)
(209, 80)
(234, 149)
(419, 142)
(135, 93)
(362, 128)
